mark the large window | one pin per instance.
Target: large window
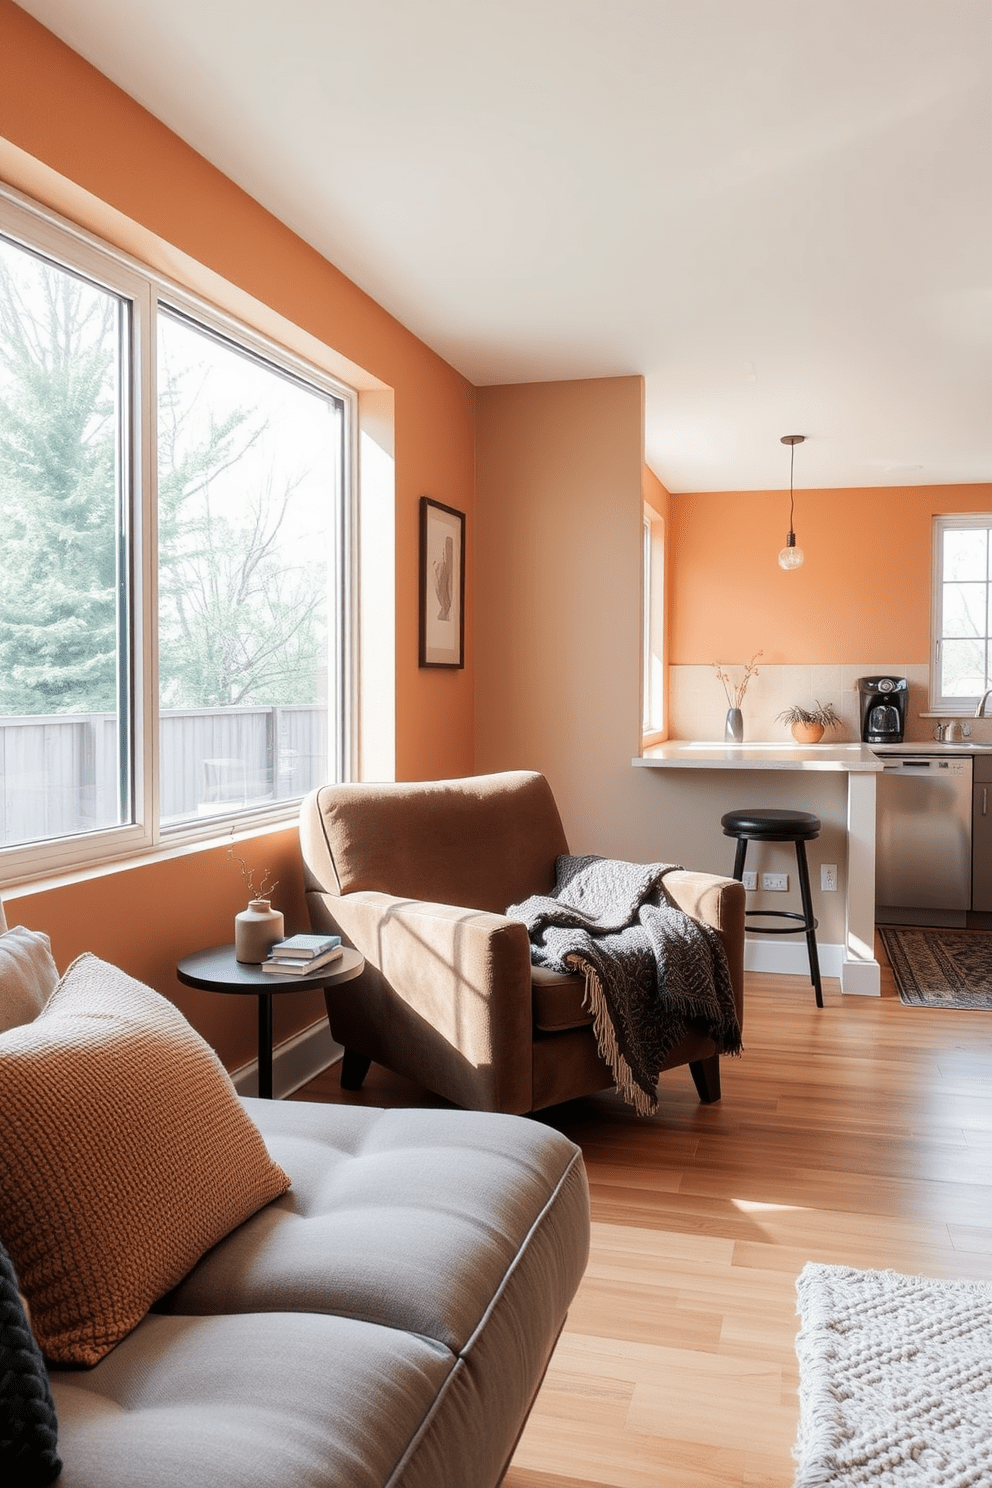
(961, 668)
(65, 374)
(174, 502)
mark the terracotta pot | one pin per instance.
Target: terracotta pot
(807, 733)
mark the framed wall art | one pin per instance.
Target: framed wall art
(442, 585)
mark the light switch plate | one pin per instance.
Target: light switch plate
(749, 880)
(779, 882)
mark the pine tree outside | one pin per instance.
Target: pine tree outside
(249, 482)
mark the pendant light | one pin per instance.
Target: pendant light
(791, 555)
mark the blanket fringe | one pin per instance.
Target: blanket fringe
(594, 1000)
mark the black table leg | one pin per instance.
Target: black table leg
(265, 1045)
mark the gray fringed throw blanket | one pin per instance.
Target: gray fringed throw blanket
(652, 972)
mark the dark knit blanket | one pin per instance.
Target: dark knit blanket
(652, 972)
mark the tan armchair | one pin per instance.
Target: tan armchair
(416, 877)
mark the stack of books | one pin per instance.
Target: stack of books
(299, 955)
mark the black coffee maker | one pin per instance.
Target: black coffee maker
(883, 709)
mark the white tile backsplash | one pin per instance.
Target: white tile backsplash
(698, 706)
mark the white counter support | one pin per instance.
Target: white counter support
(859, 971)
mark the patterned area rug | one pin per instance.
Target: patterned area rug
(895, 1384)
(940, 968)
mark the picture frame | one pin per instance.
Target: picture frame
(442, 585)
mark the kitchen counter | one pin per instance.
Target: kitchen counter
(689, 755)
(858, 969)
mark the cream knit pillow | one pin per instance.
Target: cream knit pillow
(28, 975)
(124, 1155)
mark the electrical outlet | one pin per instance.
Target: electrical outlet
(777, 881)
(749, 880)
(828, 877)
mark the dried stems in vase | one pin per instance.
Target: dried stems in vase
(264, 890)
(735, 691)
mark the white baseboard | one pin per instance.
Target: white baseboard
(791, 959)
(858, 977)
(295, 1061)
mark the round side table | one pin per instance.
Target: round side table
(216, 970)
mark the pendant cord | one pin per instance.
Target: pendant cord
(792, 499)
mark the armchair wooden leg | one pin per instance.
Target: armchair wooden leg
(706, 1078)
(354, 1068)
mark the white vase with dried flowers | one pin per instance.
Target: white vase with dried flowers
(735, 693)
(257, 928)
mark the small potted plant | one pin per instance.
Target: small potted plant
(808, 724)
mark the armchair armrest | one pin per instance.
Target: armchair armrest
(719, 902)
(446, 995)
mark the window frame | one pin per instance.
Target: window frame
(653, 699)
(43, 232)
(941, 705)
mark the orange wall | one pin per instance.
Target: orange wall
(61, 111)
(862, 594)
(73, 122)
(148, 917)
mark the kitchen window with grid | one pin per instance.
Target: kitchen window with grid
(174, 505)
(961, 653)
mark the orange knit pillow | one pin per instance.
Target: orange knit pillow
(124, 1155)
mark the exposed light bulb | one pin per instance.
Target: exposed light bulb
(791, 556)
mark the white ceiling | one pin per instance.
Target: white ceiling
(778, 211)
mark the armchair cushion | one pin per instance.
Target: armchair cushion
(558, 1000)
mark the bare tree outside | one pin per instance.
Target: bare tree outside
(249, 468)
(244, 527)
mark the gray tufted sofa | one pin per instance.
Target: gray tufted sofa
(388, 1320)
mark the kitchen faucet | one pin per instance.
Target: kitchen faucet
(980, 710)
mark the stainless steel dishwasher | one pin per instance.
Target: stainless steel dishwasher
(923, 840)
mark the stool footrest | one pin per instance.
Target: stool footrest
(779, 914)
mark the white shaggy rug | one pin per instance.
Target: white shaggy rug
(895, 1381)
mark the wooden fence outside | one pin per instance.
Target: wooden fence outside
(59, 772)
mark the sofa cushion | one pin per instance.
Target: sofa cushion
(423, 1211)
(270, 1401)
(124, 1155)
(466, 1229)
(28, 975)
(28, 1426)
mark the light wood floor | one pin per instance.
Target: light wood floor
(857, 1135)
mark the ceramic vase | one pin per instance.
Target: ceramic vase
(807, 733)
(256, 930)
(734, 732)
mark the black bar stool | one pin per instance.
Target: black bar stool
(770, 825)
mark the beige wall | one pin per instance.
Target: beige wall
(558, 555)
(558, 534)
